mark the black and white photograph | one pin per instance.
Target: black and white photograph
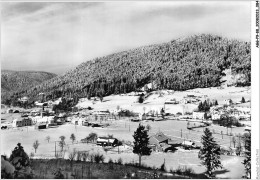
(129, 90)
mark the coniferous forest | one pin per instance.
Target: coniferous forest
(16, 81)
(192, 62)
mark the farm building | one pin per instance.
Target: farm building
(199, 115)
(159, 142)
(106, 141)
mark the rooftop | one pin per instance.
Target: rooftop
(160, 137)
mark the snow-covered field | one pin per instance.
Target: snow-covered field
(120, 130)
(123, 129)
(156, 102)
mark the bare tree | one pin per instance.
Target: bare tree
(36, 145)
(85, 155)
(234, 141)
(62, 142)
(148, 127)
(79, 156)
(72, 156)
(73, 138)
(92, 137)
(48, 138)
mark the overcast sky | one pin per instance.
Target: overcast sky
(56, 37)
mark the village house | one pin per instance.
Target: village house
(40, 105)
(75, 121)
(228, 102)
(47, 119)
(51, 122)
(57, 102)
(215, 116)
(35, 113)
(107, 141)
(60, 119)
(188, 144)
(115, 111)
(41, 125)
(104, 113)
(217, 111)
(142, 116)
(100, 115)
(97, 117)
(199, 115)
(172, 101)
(79, 121)
(22, 122)
(9, 111)
(190, 99)
(159, 142)
(24, 99)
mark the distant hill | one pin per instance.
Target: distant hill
(16, 81)
(193, 62)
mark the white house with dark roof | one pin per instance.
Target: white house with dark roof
(199, 115)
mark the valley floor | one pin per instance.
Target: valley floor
(123, 129)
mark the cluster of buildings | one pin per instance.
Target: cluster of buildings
(40, 119)
(191, 99)
(85, 118)
(239, 113)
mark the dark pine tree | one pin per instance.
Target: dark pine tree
(247, 160)
(200, 107)
(19, 157)
(141, 141)
(210, 152)
(141, 98)
(243, 100)
(73, 138)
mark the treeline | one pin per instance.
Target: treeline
(205, 106)
(193, 62)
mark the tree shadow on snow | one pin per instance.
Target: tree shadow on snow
(222, 171)
(105, 100)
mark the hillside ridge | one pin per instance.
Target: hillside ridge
(193, 62)
(15, 81)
